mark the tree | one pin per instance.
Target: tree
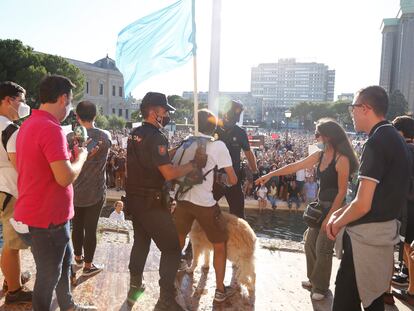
(21, 64)
(398, 105)
(102, 122)
(115, 122)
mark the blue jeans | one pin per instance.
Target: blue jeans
(293, 200)
(52, 253)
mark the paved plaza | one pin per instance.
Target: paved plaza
(279, 274)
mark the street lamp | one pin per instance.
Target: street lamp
(288, 114)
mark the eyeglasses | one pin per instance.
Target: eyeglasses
(353, 106)
(20, 100)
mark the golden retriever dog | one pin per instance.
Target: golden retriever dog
(240, 250)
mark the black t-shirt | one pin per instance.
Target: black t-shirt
(385, 160)
(293, 192)
(147, 149)
(235, 139)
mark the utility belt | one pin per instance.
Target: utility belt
(155, 194)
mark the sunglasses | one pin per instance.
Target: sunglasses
(353, 106)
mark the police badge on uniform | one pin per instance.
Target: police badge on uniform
(162, 150)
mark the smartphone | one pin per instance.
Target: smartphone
(92, 144)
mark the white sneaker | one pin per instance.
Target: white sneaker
(307, 284)
(317, 296)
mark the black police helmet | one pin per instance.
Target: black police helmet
(154, 99)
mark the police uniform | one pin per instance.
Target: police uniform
(147, 150)
(235, 139)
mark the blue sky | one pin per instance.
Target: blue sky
(345, 35)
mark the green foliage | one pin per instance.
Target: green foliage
(102, 122)
(136, 116)
(115, 122)
(184, 109)
(308, 113)
(19, 63)
(398, 105)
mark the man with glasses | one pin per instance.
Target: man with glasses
(45, 202)
(12, 108)
(366, 230)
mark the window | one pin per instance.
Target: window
(87, 87)
(120, 91)
(120, 112)
(126, 114)
(113, 90)
(113, 111)
(101, 88)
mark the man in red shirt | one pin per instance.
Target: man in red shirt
(45, 202)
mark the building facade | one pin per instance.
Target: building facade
(104, 86)
(286, 83)
(252, 105)
(397, 61)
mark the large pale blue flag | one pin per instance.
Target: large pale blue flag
(156, 43)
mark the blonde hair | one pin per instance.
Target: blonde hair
(120, 202)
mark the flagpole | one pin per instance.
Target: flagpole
(195, 96)
(213, 92)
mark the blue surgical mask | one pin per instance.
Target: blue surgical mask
(321, 146)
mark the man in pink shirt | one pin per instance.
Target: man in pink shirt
(45, 202)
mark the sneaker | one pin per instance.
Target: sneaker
(79, 262)
(167, 302)
(23, 295)
(77, 307)
(94, 269)
(306, 284)
(404, 295)
(317, 296)
(400, 279)
(135, 293)
(220, 296)
(24, 278)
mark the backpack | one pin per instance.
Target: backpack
(7, 133)
(410, 194)
(195, 177)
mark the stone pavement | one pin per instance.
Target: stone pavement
(279, 274)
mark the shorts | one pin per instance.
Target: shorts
(210, 219)
(11, 238)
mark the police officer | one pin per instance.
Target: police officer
(235, 139)
(148, 167)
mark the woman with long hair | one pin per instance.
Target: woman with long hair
(335, 162)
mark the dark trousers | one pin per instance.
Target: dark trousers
(346, 292)
(234, 196)
(84, 224)
(52, 253)
(151, 221)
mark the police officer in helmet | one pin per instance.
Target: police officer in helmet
(148, 167)
(235, 139)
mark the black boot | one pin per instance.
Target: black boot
(136, 289)
(167, 301)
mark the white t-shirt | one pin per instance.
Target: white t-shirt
(261, 192)
(8, 174)
(120, 217)
(217, 154)
(300, 175)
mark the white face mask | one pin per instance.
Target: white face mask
(23, 110)
(68, 108)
